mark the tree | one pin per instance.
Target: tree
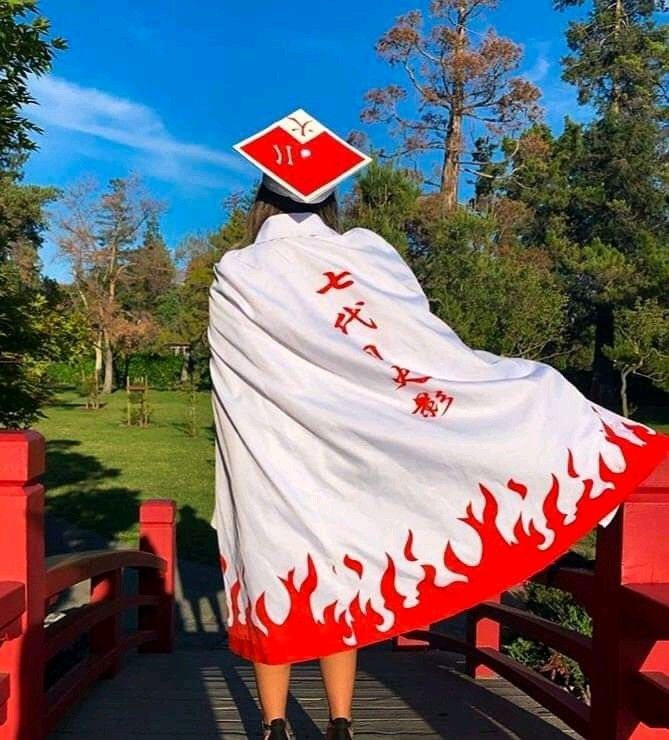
(618, 177)
(504, 298)
(619, 55)
(98, 237)
(151, 271)
(457, 81)
(28, 304)
(641, 345)
(233, 232)
(26, 50)
(183, 311)
(384, 199)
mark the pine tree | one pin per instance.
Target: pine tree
(618, 210)
(458, 80)
(150, 273)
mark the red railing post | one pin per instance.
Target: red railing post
(157, 534)
(106, 636)
(22, 456)
(633, 549)
(482, 633)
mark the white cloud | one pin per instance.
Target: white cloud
(124, 122)
(539, 70)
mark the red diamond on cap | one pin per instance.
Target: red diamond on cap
(302, 155)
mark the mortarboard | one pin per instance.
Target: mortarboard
(300, 158)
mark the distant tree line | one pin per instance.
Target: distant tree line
(550, 245)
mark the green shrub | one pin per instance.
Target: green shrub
(161, 371)
(559, 607)
(65, 373)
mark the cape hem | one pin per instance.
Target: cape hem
(439, 603)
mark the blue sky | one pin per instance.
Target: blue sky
(165, 90)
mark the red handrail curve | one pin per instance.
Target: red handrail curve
(95, 618)
(65, 571)
(29, 582)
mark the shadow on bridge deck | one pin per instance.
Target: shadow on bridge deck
(205, 691)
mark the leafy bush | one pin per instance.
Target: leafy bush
(561, 608)
(72, 374)
(161, 371)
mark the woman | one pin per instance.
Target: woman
(374, 474)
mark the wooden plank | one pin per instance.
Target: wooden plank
(64, 571)
(212, 694)
(573, 712)
(12, 605)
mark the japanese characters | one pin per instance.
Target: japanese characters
(429, 404)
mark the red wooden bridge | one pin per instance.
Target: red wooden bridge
(414, 683)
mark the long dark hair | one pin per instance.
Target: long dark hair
(268, 203)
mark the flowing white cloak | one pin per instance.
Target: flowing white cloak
(373, 472)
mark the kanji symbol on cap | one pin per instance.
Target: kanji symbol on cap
(302, 156)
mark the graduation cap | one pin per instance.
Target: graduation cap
(300, 158)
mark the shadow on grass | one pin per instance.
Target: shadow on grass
(104, 511)
(91, 514)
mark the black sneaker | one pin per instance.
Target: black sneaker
(277, 729)
(339, 728)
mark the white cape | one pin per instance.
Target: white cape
(373, 472)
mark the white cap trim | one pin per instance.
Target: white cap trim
(276, 187)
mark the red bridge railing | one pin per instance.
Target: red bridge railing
(627, 659)
(627, 595)
(29, 583)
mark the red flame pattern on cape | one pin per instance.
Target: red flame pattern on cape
(502, 565)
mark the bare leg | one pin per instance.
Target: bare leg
(338, 671)
(272, 682)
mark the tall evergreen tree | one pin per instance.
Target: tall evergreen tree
(619, 55)
(619, 62)
(151, 271)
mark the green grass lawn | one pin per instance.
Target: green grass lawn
(98, 470)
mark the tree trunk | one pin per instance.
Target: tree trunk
(450, 173)
(126, 371)
(98, 358)
(623, 392)
(615, 87)
(109, 366)
(603, 386)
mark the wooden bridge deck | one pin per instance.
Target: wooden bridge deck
(205, 691)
